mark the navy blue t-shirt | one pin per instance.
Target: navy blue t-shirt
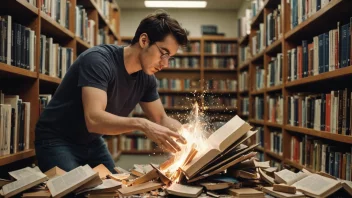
(101, 67)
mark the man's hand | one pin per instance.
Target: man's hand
(163, 136)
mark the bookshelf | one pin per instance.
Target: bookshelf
(15, 80)
(206, 60)
(322, 83)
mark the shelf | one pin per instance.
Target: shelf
(219, 92)
(220, 109)
(219, 70)
(259, 18)
(321, 134)
(321, 77)
(273, 124)
(275, 88)
(182, 69)
(222, 54)
(191, 91)
(219, 38)
(145, 152)
(271, 3)
(245, 64)
(82, 44)
(274, 47)
(187, 54)
(258, 57)
(245, 92)
(50, 79)
(16, 71)
(258, 92)
(274, 155)
(243, 40)
(308, 28)
(261, 122)
(7, 159)
(17, 4)
(50, 27)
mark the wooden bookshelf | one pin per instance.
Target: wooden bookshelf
(30, 84)
(243, 39)
(320, 22)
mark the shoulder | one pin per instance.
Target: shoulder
(148, 80)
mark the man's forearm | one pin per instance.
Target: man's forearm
(170, 123)
(108, 124)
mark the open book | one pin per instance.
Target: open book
(219, 141)
(270, 191)
(24, 172)
(139, 188)
(184, 191)
(23, 184)
(108, 185)
(288, 177)
(64, 184)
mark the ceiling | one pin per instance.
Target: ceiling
(211, 5)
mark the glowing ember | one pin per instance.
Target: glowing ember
(196, 136)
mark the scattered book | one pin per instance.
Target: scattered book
(270, 191)
(139, 188)
(183, 190)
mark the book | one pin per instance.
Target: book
(245, 192)
(108, 186)
(270, 191)
(36, 194)
(216, 186)
(230, 133)
(54, 172)
(139, 188)
(288, 177)
(102, 170)
(183, 190)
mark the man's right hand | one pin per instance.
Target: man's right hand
(162, 136)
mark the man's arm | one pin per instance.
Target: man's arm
(99, 121)
(156, 113)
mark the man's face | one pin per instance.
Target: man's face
(155, 57)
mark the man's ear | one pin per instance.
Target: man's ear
(143, 40)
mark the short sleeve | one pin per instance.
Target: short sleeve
(151, 93)
(94, 71)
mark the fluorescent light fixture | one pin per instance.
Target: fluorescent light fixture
(175, 4)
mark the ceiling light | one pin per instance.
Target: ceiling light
(175, 4)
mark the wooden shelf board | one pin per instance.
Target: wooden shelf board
(275, 155)
(7, 159)
(28, 6)
(321, 134)
(222, 54)
(244, 65)
(219, 38)
(143, 152)
(191, 91)
(243, 40)
(258, 92)
(259, 18)
(219, 70)
(13, 70)
(312, 19)
(219, 92)
(244, 92)
(187, 54)
(275, 88)
(258, 57)
(82, 43)
(274, 47)
(50, 25)
(273, 124)
(261, 122)
(182, 69)
(220, 109)
(321, 77)
(49, 79)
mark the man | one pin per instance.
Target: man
(100, 89)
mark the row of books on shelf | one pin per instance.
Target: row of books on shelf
(185, 62)
(273, 25)
(85, 28)
(245, 54)
(54, 59)
(105, 6)
(274, 75)
(327, 52)
(226, 63)
(276, 109)
(276, 142)
(136, 143)
(259, 108)
(243, 81)
(104, 37)
(329, 112)
(302, 10)
(58, 10)
(244, 24)
(178, 84)
(259, 77)
(244, 102)
(192, 47)
(179, 101)
(220, 48)
(221, 85)
(14, 124)
(114, 146)
(256, 6)
(260, 136)
(44, 100)
(258, 40)
(320, 155)
(17, 44)
(212, 101)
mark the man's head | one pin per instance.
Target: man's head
(159, 36)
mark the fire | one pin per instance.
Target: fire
(195, 134)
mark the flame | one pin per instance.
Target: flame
(195, 134)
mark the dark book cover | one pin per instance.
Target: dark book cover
(23, 46)
(321, 53)
(305, 58)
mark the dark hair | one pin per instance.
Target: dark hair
(157, 26)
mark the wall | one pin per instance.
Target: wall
(190, 19)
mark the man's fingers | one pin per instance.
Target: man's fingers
(178, 137)
(173, 143)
